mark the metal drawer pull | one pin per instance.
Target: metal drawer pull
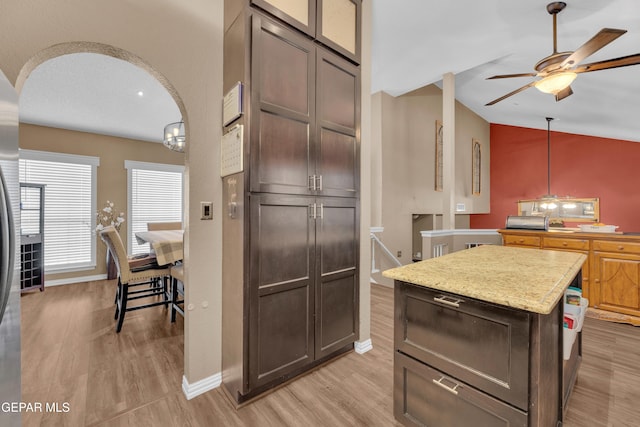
(453, 302)
(453, 390)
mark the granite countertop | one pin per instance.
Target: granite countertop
(528, 279)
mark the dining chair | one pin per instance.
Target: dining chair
(132, 273)
(177, 289)
(154, 226)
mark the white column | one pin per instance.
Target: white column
(449, 151)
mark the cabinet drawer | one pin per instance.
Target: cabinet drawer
(482, 344)
(521, 240)
(560, 243)
(427, 397)
(616, 246)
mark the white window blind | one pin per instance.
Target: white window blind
(69, 206)
(155, 195)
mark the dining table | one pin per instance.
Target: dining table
(167, 245)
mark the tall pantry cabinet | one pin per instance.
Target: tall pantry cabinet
(291, 212)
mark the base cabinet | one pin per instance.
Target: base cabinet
(461, 362)
(303, 282)
(429, 397)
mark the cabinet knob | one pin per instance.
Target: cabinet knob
(564, 243)
(620, 248)
(597, 280)
(521, 241)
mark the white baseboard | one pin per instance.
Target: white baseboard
(202, 386)
(71, 280)
(362, 347)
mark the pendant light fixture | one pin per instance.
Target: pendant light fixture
(174, 136)
(548, 201)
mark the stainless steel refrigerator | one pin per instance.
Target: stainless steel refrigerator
(9, 256)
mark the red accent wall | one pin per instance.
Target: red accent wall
(581, 166)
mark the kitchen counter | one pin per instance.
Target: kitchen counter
(527, 279)
(609, 275)
(478, 338)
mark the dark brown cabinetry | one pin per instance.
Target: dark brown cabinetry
(290, 246)
(304, 105)
(304, 277)
(460, 361)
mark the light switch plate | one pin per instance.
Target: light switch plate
(206, 210)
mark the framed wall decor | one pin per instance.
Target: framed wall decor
(439, 159)
(476, 166)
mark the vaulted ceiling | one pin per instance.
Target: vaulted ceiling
(415, 42)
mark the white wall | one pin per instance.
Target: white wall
(407, 163)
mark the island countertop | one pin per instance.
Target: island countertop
(528, 279)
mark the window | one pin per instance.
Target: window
(155, 195)
(69, 207)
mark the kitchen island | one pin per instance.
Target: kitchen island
(478, 337)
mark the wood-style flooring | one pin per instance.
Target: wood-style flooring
(71, 354)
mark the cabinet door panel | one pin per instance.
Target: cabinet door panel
(339, 26)
(283, 69)
(281, 297)
(283, 106)
(617, 283)
(337, 162)
(283, 149)
(337, 129)
(337, 275)
(300, 14)
(424, 396)
(338, 90)
(283, 333)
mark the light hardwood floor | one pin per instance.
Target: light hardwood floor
(71, 353)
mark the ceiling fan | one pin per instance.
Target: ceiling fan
(559, 69)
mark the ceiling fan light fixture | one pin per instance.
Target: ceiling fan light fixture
(174, 136)
(556, 82)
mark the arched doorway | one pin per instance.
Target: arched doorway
(82, 349)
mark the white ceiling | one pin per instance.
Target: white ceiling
(415, 42)
(97, 93)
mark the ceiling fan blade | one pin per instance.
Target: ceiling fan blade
(563, 93)
(495, 101)
(508, 76)
(597, 42)
(623, 61)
